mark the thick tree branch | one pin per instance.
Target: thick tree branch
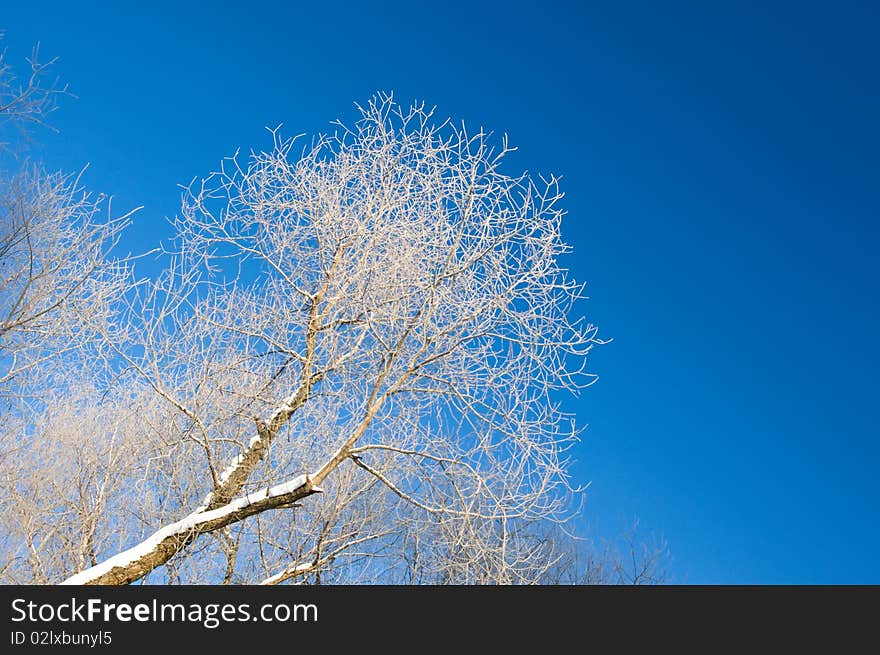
(136, 562)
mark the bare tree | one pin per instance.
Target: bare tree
(629, 559)
(27, 101)
(57, 282)
(349, 371)
(55, 275)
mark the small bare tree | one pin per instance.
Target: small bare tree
(27, 102)
(627, 560)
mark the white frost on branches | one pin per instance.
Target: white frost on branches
(392, 301)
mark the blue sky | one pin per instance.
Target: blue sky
(721, 173)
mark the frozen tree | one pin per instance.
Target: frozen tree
(55, 277)
(57, 284)
(27, 101)
(350, 370)
(629, 559)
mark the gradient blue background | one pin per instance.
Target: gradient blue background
(722, 179)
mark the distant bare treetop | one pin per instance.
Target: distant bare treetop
(27, 100)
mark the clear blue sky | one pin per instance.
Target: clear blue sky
(721, 170)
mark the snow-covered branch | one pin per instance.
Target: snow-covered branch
(162, 545)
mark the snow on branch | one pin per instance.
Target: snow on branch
(134, 563)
